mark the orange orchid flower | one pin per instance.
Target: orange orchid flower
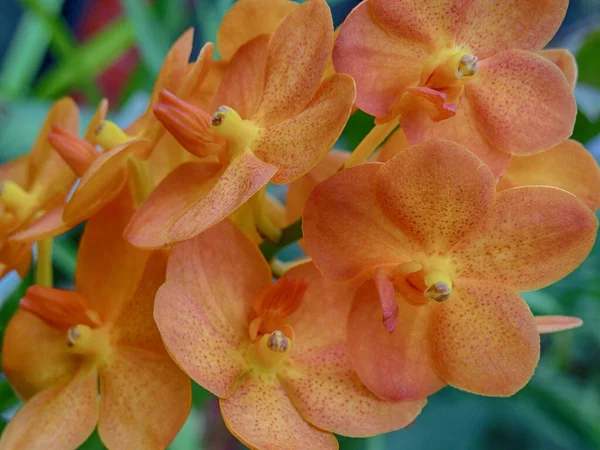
(61, 345)
(33, 185)
(280, 121)
(568, 166)
(274, 353)
(466, 72)
(447, 257)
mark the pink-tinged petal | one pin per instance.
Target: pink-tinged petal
(244, 80)
(298, 53)
(565, 60)
(486, 28)
(522, 103)
(568, 166)
(34, 355)
(554, 324)
(461, 128)
(206, 352)
(202, 311)
(394, 62)
(103, 180)
(298, 191)
(299, 143)
(428, 100)
(387, 299)
(49, 225)
(63, 415)
(397, 366)
(345, 231)
(109, 268)
(435, 192)
(484, 339)
(532, 237)
(261, 415)
(145, 400)
(320, 379)
(248, 19)
(183, 187)
(240, 179)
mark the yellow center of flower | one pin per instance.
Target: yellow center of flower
(269, 352)
(17, 202)
(468, 65)
(418, 284)
(109, 135)
(93, 343)
(447, 72)
(240, 134)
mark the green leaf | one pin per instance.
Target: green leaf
(88, 60)
(289, 235)
(151, 37)
(27, 50)
(64, 256)
(588, 61)
(200, 396)
(8, 398)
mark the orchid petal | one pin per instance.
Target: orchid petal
(565, 61)
(554, 324)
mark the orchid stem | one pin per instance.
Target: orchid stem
(43, 267)
(289, 235)
(370, 143)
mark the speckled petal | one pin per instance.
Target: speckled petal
(298, 53)
(345, 232)
(488, 27)
(532, 237)
(240, 179)
(183, 187)
(522, 102)
(568, 166)
(145, 400)
(299, 143)
(393, 62)
(62, 416)
(320, 380)
(261, 415)
(398, 365)
(484, 339)
(435, 192)
(248, 19)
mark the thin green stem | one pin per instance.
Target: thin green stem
(289, 235)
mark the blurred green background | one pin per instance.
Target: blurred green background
(109, 48)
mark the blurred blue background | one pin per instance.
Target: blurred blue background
(109, 48)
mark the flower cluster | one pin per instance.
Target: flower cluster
(416, 253)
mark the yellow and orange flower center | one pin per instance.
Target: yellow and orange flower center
(241, 135)
(109, 135)
(92, 343)
(448, 71)
(270, 333)
(18, 205)
(418, 285)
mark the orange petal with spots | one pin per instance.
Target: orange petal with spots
(435, 192)
(568, 166)
(66, 413)
(396, 366)
(565, 61)
(532, 237)
(261, 415)
(34, 355)
(145, 399)
(103, 180)
(522, 102)
(298, 144)
(393, 59)
(322, 384)
(486, 28)
(462, 128)
(345, 231)
(248, 19)
(185, 186)
(484, 339)
(109, 268)
(298, 52)
(244, 80)
(202, 311)
(554, 324)
(239, 180)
